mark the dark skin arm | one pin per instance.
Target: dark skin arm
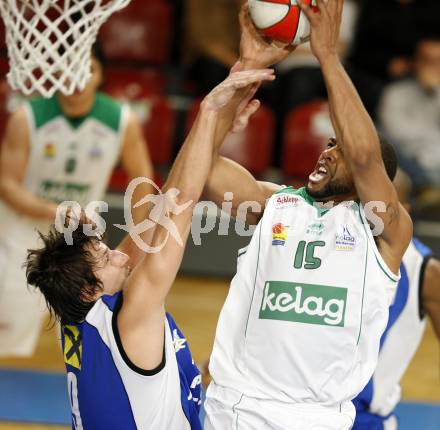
(431, 293)
(357, 136)
(226, 176)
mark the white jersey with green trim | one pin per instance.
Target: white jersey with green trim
(68, 160)
(72, 159)
(305, 312)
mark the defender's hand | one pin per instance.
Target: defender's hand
(222, 94)
(325, 26)
(255, 52)
(245, 110)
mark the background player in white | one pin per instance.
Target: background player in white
(299, 334)
(128, 364)
(57, 149)
(417, 296)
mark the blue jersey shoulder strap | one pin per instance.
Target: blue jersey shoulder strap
(424, 250)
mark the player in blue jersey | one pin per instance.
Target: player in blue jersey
(128, 365)
(417, 295)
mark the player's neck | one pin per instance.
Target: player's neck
(74, 107)
(338, 198)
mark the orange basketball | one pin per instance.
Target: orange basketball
(281, 20)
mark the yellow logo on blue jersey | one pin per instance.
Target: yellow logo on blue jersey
(72, 346)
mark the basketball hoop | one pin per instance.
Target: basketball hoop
(49, 42)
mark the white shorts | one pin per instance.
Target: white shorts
(227, 409)
(22, 308)
(391, 423)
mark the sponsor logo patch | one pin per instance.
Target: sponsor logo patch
(72, 346)
(61, 191)
(49, 150)
(286, 201)
(316, 228)
(279, 234)
(345, 241)
(178, 342)
(304, 303)
(95, 152)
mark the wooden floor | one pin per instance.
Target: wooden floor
(195, 304)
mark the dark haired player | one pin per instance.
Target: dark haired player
(128, 365)
(56, 149)
(298, 337)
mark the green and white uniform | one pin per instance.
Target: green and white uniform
(298, 336)
(73, 159)
(69, 159)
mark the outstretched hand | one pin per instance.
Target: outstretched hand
(325, 25)
(255, 51)
(222, 94)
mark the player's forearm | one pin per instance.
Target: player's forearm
(141, 213)
(434, 313)
(227, 117)
(431, 302)
(431, 293)
(25, 203)
(188, 176)
(194, 161)
(228, 113)
(354, 128)
(128, 246)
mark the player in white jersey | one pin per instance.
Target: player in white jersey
(128, 364)
(298, 337)
(417, 296)
(58, 149)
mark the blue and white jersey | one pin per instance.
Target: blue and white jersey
(107, 391)
(376, 403)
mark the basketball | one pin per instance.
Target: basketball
(281, 20)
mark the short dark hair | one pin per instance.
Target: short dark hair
(389, 157)
(64, 274)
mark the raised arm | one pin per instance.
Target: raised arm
(431, 293)
(227, 176)
(142, 314)
(136, 161)
(356, 134)
(249, 195)
(14, 158)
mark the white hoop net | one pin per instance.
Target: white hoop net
(49, 42)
